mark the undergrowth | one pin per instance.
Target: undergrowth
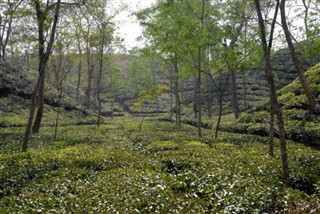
(163, 169)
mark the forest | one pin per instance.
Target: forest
(216, 110)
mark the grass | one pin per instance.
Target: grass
(163, 169)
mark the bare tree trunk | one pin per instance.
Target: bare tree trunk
(176, 93)
(43, 58)
(271, 125)
(33, 107)
(199, 100)
(210, 95)
(171, 94)
(273, 94)
(220, 107)
(79, 72)
(297, 62)
(221, 93)
(245, 92)
(40, 104)
(37, 98)
(100, 74)
(6, 34)
(89, 80)
(60, 90)
(195, 102)
(235, 103)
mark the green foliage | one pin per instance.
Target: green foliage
(301, 123)
(165, 169)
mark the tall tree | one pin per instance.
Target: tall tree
(275, 107)
(44, 51)
(7, 14)
(297, 61)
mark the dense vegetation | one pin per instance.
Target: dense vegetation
(164, 169)
(218, 112)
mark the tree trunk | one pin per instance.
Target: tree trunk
(79, 74)
(40, 104)
(271, 125)
(60, 90)
(297, 62)
(33, 107)
(235, 102)
(210, 95)
(171, 94)
(43, 58)
(273, 94)
(195, 92)
(100, 74)
(220, 108)
(37, 96)
(176, 93)
(245, 92)
(199, 100)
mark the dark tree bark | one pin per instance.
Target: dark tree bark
(273, 94)
(44, 55)
(79, 68)
(199, 94)
(235, 100)
(171, 94)
(244, 92)
(100, 73)
(297, 61)
(195, 94)
(221, 89)
(6, 28)
(37, 97)
(176, 92)
(90, 77)
(210, 96)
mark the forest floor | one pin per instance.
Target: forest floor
(115, 168)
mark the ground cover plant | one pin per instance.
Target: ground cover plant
(162, 169)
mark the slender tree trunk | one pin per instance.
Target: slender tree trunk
(273, 94)
(199, 100)
(210, 95)
(221, 93)
(220, 107)
(157, 104)
(33, 107)
(271, 125)
(176, 93)
(195, 99)
(79, 74)
(245, 92)
(40, 103)
(297, 62)
(60, 90)
(171, 94)
(1, 38)
(43, 55)
(235, 102)
(43, 58)
(100, 74)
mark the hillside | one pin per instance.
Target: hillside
(16, 86)
(301, 123)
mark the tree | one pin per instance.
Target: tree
(297, 61)
(37, 97)
(42, 12)
(7, 14)
(274, 104)
(182, 30)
